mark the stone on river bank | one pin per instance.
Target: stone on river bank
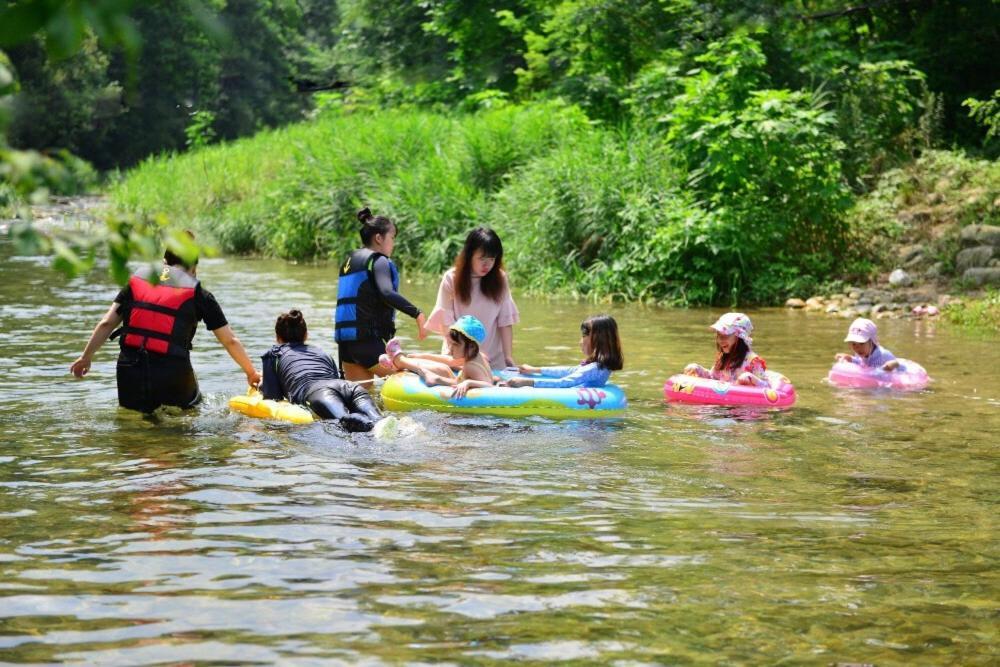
(795, 303)
(900, 278)
(977, 256)
(974, 235)
(982, 276)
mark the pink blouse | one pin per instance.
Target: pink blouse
(492, 314)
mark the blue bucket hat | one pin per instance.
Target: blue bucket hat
(470, 327)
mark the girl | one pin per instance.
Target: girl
(367, 300)
(863, 337)
(306, 375)
(477, 286)
(602, 351)
(734, 361)
(465, 338)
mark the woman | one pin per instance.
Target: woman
(306, 375)
(367, 301)
(477, 286)
(159, 316)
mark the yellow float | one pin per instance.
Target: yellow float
(253, 404)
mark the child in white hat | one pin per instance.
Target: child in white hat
(735, 360)
(863, 337)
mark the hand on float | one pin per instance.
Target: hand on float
(421, 327)
(840, 356)
(509, 362)
(520, 382)
(461, 389)
(80, 367)
(253, 378)
(692, 369)
(529, 370)
(746, 379)
(890, 365)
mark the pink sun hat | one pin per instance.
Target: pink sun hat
(735, 323)
(862, 330)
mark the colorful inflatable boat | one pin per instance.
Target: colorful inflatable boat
(406, 391)
(253, 404)
(910, 376)
(689, 389)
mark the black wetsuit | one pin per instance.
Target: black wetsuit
(306, 375)
(147, 379)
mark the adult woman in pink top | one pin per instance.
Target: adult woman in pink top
(477, 286)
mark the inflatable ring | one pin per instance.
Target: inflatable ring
(705, 391)
(407, 391)
(910, 376)
(253, 404)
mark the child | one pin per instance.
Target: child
(465, 336)
(734, 361)
(306, 375)
(863, 337)
(602, 350)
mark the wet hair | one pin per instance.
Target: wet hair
(171, 259)
(291, 327)
(470, 348)
(605, 345)
(492, 284)
(734, 359)
(372, 225)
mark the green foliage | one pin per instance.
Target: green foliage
(199, 131)
(987, 114)
(977, 314)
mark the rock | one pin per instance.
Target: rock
(973, 235)
(855, 294)
(920, 297)
(848, 314)
(900, 278)
(814, 303)
(908, 252)
(936, 270)
(884, 314)
(838, 297)
(863, 308)
(935, 198)
(795, 303)
(833, 308)
(979, 276)
(880, 307)
(848, 301)
(994, 262)
(971, 258)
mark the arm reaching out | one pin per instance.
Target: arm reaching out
(108, 324)
(236, 350)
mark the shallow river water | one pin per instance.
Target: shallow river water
(853, 528)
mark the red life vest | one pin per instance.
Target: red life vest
(161, 317)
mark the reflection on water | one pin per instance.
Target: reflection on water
(856, 527)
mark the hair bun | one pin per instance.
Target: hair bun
(295, 314)
(365, 214)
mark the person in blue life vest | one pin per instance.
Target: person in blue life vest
(367, 301)
(158, 321)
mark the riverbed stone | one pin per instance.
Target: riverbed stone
(848, 314)
(971, 258)
(863, 308)
(814, 303)
(974, 235)
(908, 252)
(833, 308)
(880, 307)
(900, 278)
(795, 303)
(981, 276)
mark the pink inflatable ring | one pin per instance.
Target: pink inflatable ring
(688, 389)
(910, 376)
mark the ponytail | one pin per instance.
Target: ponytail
(372, 225)
(291, 327)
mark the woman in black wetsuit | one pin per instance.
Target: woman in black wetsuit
(367, 301)
(306, 375)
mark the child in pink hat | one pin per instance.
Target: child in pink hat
(863, 337)
(735, 361)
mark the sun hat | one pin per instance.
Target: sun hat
(735, 323)
(470, 327)
(862, 330)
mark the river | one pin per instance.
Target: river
(853, 528)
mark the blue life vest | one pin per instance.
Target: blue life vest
(362, 313)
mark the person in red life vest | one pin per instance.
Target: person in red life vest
(159, 319)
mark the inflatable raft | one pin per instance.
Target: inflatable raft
(911, 376)
(407, 391)
(703, 391)
(253, 404)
